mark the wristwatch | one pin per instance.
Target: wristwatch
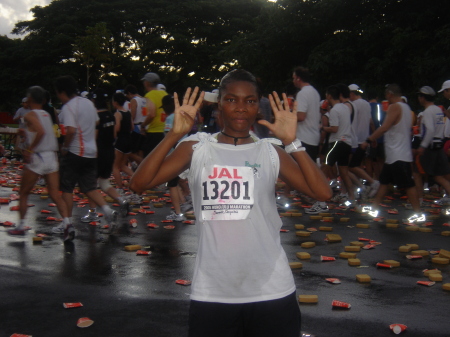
(295, 146)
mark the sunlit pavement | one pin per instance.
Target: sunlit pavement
(130, 295)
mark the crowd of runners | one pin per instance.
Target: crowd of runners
(220, 153)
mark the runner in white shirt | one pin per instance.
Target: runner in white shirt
(231, 205)
(432, 157)
(41, 159)
(308, 112)
(362, 124)
(397, 169)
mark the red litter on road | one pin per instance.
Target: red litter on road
(414, 257)
(133, 222)
(327, 258)
(19, 335)
(169, 227)
(384, 265)
(364, 239)
(368, 246)
(426, 283)
(46, 211)
(72, 305)
(397, 328)
(152, 225)
(284, 230)
(339, 304)
(333, 280)
(8, 224)
(143, 252)
(183, 282)
(84, 322)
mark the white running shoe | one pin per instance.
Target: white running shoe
(317, 208)
(443, 201)
(340, 197)
(283, 202)
(186, 207)
(374, 188)
(91, 216)
(176, 217)
(416, 218)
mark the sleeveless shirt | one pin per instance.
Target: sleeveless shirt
(240, 258)
(397, 140)
(48, 141)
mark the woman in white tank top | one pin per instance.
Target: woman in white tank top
(241, 271)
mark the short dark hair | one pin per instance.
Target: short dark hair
(168, 104)
(333, 91)
(394, 89)
(100, 98)
(66, 84)
(130, 89)
(343, 90)
(238, 75)
(37, 94)
(303, 73)
(119, 98)
(428, 98)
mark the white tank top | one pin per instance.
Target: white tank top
(397, 140)
(140, 105)
(48, 141)
(240, 258)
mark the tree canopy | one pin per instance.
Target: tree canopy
(111, 43)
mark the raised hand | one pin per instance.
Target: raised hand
(285, 125)
(185, 114)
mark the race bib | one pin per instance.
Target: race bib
(227, 192)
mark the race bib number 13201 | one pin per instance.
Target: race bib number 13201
(227, 192)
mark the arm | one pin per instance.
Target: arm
(118, 117)
(133, 107)
(298, 170)
(151, 113)
(392, 117)
(427, 121)
(157, 167)
(301, 116)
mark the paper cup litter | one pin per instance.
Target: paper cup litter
(84, 322)
(397, 328)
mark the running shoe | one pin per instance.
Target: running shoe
(69, 233)
(317, 208)
(91, 216)
(176, 217)
(283, 202)
(443, 201)
(111, 220)
(16, 232)
(339, 197)
(124, 208)
(134, 199)
(58, 230)
(370, 210)
(416, 218)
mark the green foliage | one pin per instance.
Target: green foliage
(112, 43)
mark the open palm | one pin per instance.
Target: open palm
(185, 114)
(285, 125)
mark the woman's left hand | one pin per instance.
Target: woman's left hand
(285, 125)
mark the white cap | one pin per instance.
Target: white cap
(426, 90)
(151, 77)
(355, 87)
(24, 100)
(84, 94)
(161, 87)
(211, 97)
(405, 99)
(445, 85)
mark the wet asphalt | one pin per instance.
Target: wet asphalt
(130, 295)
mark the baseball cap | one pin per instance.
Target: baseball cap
(84, 94)
(161, 87)
(426, 90)
(355, 87)
(24, 100)
(151, 77)
(445, 85)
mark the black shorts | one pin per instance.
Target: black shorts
(137, 141)
(280, 318)
(123, 144)
(152, 139)
(415, 143)
(435, 162)
(398, 173)
(105, 161)
(311, 150)
(377, 152)
(339, 153)
(173, 182)
(357, 157)
(74, 169)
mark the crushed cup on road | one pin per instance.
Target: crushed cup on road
(72, 305)
(339, 304)
(84, 322)
(397, 328)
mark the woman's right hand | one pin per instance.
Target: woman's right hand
(185, 114)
